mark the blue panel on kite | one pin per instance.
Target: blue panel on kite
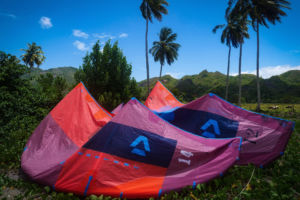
(203, 123)
(135, 144)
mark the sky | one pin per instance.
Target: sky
(67, 29)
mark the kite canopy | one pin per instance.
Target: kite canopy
(137, 155)
(161, 99)
(79, 148)
(118, 109)
(62, 132)
(264, 137)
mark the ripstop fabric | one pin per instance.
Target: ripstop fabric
(142, 151)
(264, 137)
(71, 123)
(138, 155)
(161, 99)
(80, 148)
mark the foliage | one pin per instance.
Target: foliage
(156, 8)
(33, 55)
(165, 49)
(277, 89)
(22, 106)
(66, 72)
(107, 75)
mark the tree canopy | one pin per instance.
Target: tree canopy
(33, 55)
(106, 74)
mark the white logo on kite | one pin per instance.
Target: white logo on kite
(215, 125)
(186, 153)
(184, 161)
(136, 142)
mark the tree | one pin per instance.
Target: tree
(261, 12)
(239, 18)
(228, 37)
(150, 8)
(21, 108)
(33, 55)
(52, 88)
(165, 49)
(107, 75)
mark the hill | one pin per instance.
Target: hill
(284, 88)
(66, 72)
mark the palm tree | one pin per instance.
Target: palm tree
(150, 8)
(261, 12)
(228, 37)
(239, 18)
(33, 55)
(165, 49)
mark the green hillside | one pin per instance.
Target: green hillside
(66, 72)
(284, 88)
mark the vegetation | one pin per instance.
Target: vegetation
(33, 55)
(284, 88)
(165, 49)
(150, 9)
(22, 106)
(106, 74)
(66, 72)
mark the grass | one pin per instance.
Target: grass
(279, 180)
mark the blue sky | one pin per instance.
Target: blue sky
(67, 29)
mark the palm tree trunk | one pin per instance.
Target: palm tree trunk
(240, 76)
(228, 68)
(161, 66)
(147, 61)
(257, 68)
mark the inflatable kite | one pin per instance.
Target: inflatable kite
(161, 99)
(78, 148)
(117, 109)
(264, 137)
(62, 132)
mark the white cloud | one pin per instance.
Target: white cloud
(123, 35)
(79, 33)
(267, 72)
(45, 22)
(174, 74)
(103, 36)
(8, 15)
(80, 45)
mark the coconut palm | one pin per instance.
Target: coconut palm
(261, 12)
(229, 37)
(33, 55)
(150, 9)
(165, 49)
(239, 18)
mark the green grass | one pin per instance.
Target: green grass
(278, 180)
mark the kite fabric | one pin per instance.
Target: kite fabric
(264, 137)
(117, 109)
(71, 123)
(139, 155)
(161, 99)
(80, 148)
